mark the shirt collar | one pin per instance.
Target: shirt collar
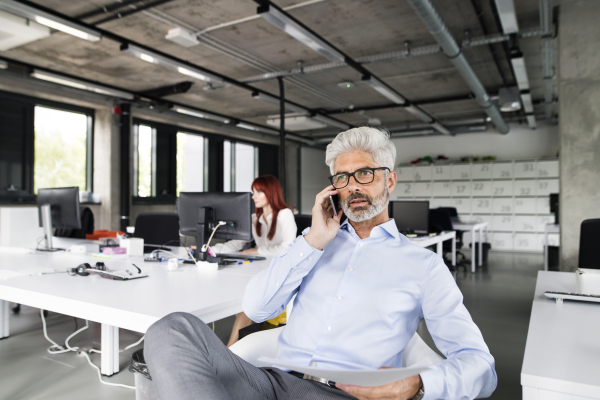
(389, 227)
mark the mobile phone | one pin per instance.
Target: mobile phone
(335, 204)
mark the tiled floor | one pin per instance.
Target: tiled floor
(498, 296)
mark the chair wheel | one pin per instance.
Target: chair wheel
(16, 309)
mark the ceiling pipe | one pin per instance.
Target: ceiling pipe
(440, 32)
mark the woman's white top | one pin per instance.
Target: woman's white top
(283, 238)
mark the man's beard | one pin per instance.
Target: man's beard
(374, 207)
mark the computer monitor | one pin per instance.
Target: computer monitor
(201, 212)
(58, 208)
(410, 216)
(554, 206)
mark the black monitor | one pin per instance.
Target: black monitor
(200, 213)
(58, 208)
(410, 216)
(554, 206)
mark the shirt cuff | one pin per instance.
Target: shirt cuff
(433, 384)
(303, 253)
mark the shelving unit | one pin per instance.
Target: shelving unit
(512, 196)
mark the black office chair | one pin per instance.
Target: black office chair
(157, 228)
(303, 221)
(589, 251)
(440, 221)
(87, 226)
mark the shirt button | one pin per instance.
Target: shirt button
(350, 269)
(339, 297)
(314, 364)
(328, 328)
(277, 284)
(361, 245)
(301, 254)
(309, 258)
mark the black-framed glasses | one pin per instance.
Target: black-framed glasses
(363, 176)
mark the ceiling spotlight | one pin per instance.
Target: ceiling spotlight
(289, 25)
(346, 85)
(384, 89)
(80, 84)
(200, 114)
(155, 58)
(50, 20)
(508, 99)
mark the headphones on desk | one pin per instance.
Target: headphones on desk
(81, 269)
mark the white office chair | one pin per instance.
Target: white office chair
(264, 344)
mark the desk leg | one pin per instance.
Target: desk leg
(110, 350)
(473, 244)
(480, 247)
(440, 250)
(454, 251)
(546, 250)
(4, 313)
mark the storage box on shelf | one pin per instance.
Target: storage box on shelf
(512, 196)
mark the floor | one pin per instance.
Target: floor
(498, 296)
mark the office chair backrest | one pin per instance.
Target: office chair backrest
(453, 211)
(157, 228)
(589, 249)
(87, 226)
(439, 220)
(303, 221)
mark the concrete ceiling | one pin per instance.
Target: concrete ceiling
(357, 27)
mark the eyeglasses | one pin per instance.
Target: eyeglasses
(363, 176)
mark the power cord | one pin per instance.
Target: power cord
(67, 348)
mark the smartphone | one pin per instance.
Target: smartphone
(335, 204)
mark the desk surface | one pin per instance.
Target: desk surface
(562, 353)
(426, 241)
(133, 305)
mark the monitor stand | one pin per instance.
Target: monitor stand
(47, 226)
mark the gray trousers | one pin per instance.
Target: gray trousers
(188, 361)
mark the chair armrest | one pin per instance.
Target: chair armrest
(417, 353)
(256, 345)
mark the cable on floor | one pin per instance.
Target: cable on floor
(66, 348)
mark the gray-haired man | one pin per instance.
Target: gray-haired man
(362, 289)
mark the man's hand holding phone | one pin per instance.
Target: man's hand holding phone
(325, 224)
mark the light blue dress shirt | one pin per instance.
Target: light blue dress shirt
(359, 303)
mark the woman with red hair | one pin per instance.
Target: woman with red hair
(273, 229)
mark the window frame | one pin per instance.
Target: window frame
(27, 196)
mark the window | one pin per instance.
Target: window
(60, 151)
(240, 166)
(191, 170)
(43, 144)
(144, 161)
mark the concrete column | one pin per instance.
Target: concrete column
(579, 126)
(106, 168)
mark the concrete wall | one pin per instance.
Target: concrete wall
(520, 143)
(579, 94)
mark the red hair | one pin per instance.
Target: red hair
(271, 187)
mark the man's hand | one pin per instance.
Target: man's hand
(399, 390)
(323, 227)
(250, 252)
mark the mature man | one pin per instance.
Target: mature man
(362, 289)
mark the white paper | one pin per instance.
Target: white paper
(376, 377)
(8, 274)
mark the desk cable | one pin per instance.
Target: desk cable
(67, 348)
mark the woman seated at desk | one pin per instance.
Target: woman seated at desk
(273, 229)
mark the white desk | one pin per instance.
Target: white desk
(473, 227)
(549, 228)
(438, 240)
(133, 305)
(562, 354)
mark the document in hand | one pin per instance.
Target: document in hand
(376, 377)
